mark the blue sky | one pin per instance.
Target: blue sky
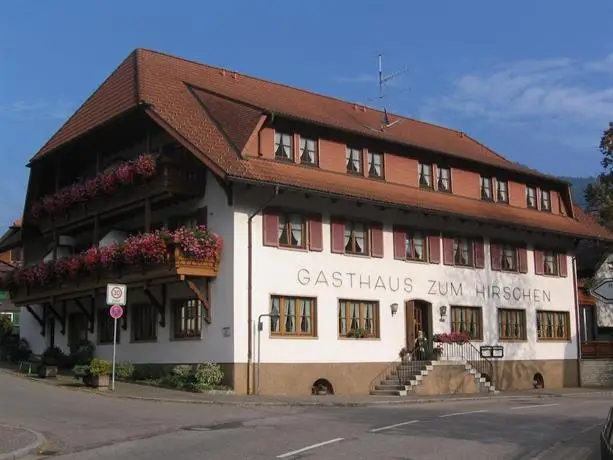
(532, 80)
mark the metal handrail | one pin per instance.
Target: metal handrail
(389, 370)
(466, 351)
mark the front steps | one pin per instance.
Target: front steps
(414, 374)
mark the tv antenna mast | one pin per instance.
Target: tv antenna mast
(386, 122)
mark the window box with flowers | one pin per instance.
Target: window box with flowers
(185, 251)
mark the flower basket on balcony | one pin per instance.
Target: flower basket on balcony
(196, 249)
(359, 333)
(452, 337)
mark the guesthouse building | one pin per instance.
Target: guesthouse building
(337, 237)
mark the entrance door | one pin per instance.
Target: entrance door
(77, 330)
(417, 319)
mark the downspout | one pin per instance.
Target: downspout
(250, 286)
(577, 320)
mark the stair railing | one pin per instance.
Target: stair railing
(390, 369)
(466, 351)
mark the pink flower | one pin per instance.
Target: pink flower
(145, 165)
(125, 173)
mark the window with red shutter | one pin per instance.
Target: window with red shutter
(270, 230)
(539, 262)
(434, 248)
(479, 253)
(522, 259)
(563, 264)
(376, 239)
(495, 256)
(337, 235)
(315, 236)
(448, 258)
(400, 243)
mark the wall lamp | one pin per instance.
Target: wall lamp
(394, 308)
(443, 312)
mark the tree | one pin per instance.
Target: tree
(599, 196)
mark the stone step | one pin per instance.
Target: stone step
(390, 387)
(388, 392)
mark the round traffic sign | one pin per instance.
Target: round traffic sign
(116, 293)
(116, 311)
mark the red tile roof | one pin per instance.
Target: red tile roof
(214, 111)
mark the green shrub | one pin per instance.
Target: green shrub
(208, 374)
(124, 370)
(204, 376)
(6, 325)
(100, 367)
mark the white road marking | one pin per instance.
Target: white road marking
(312, 446)
(389, 427)
(533, 407)
(462, 413)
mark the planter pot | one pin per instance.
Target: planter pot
(47, 371)
(100, 381)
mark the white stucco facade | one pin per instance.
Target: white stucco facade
(604, 311)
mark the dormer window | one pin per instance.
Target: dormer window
(546, 200)
(283, 146)
(308, 151)
(486, 188)
(443, 179)
(425, 175)
(531, 197)
(354, 160)
(502, 191)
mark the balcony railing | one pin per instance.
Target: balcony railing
(597, 350)
(170, 179)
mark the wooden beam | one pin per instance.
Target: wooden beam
(60, 318)
(147, 215)
(201, 297)
(96, 235)
(38, 319)
(88, 313)
(160, 305)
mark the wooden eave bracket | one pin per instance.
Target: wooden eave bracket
(201, 297)
(38, 319)
(89, 313)
(159, 304)
(60, 317)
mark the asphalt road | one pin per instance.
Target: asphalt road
(88, 427)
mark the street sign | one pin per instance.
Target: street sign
(116, 311)
(603, 290)
(116, 294)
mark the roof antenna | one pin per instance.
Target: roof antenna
(386, 121)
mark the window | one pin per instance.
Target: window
(425, 175)
(416, 246)
(511, 324)
(553, 325)
(531, 197)
(502, 191)
(375, 165)
(292, 316)
(463, 251)
(187, 319)
(144, 322)
(509, 258)
(550, 263)
(308, 151)
(545, 200)
(284, 150)
(443, 179)
(356, 238)
(106, 325)
(354, 160)
(486, 188)
(357, 318)
(467, 319)
(292, 231)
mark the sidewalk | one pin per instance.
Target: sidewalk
(18, 442)
(146, 392)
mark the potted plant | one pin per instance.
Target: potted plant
(49, 362)
(99, 371)
(359, 333)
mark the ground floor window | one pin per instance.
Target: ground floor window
(144, 322)
(468, 320)
(511, 324)
(553, 325)
(106, 325)
(187, 318)
(358, 318)
(295, 316)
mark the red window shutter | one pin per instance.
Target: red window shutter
(337, 235)
(316, 242)
(539, 262)
(270, 223)
(478, 246)
(376, 239)
(400, 243)
(434, 248)
(562, 264)
(522, 260)
(495, 256)
(448, 258)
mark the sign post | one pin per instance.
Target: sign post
(603, 291)
(116, 298)
(116, 312)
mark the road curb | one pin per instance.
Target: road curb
(31, 448)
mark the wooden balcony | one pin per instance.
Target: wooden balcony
(597, 350)
(177, 268)
(172, 181)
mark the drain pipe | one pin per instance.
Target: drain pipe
(577, 319)
(250, 286)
